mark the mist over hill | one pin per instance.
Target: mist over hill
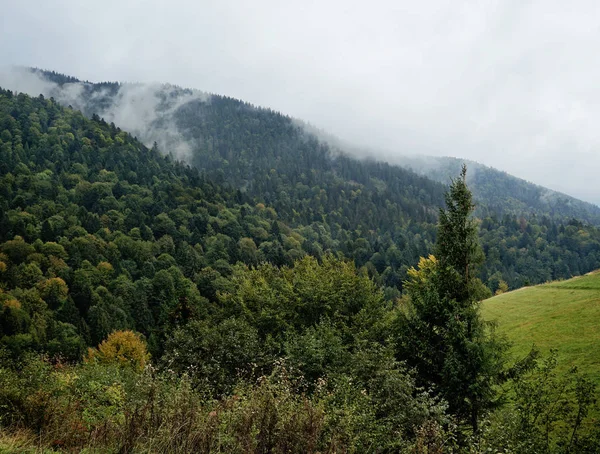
(184, 123)
(502, 192)
(352, 202)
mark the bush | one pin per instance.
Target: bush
(215, 357)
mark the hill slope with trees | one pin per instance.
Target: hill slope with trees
(500, 193)
(240, 142)
(218, 325)
(380, 215)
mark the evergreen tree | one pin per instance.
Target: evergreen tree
(442, 334)
(457, 248)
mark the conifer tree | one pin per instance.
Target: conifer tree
(457, 248)
(442, 333)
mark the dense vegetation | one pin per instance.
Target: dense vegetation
(221, 325)
(499, 193)
(91, 220)
(381, 216)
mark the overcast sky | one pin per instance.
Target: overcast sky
(511, 84)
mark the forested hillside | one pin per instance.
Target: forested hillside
(90, 217)
(380, 215)
(219, 324)
(500, 193)
(241, 140)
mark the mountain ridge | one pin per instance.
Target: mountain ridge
(381, 216)
(499, 192)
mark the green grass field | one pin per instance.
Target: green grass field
(564, 315)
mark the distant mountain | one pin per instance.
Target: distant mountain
(217, 133)
(503, 193)
(382, 216)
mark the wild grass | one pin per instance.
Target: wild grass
(22, 442)
(563, 315)
(98, 408)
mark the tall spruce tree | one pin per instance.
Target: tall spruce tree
(442, 333)
(457, 248)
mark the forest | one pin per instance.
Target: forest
(279, 302)
(381, 216)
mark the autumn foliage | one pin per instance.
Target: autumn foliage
(124, 348)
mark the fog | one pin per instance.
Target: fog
(143, 109)
(510, 84)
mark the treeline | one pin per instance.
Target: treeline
(530, 251)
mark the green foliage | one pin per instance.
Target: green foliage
(106, 408)
(457, 352)
(549, 411)
(280, 300)
(317, 352)
(215, 357)
(457, 246)
(121, 238)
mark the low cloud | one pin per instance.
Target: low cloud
(146, 111)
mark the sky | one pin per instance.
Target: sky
(510, 84)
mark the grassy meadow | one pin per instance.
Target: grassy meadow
(564, 315)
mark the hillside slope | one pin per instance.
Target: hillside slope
(241, 142)
(98, 232)
(561, 315)
(380, 215)
(501, 193)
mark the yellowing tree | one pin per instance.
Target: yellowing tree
(502, 287)
(124, 348)
(11, 303)
(419, 278)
